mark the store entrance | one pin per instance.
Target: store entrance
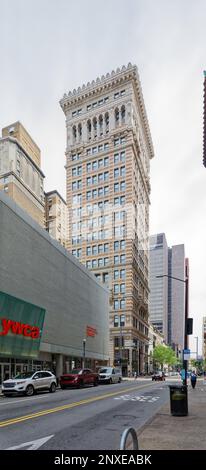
(5, 372)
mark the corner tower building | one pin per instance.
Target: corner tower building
(108, 154)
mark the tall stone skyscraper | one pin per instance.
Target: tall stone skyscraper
(108, 154)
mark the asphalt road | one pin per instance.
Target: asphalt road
(86, 419)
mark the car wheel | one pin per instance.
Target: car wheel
(29, 391)
(52, 387)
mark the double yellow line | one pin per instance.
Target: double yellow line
(20, 419)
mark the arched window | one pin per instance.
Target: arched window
(95, 126)
(101, 125)
(89, 129)
(123, 114)
(116, 116)
(106, 117)
(80, 131)
(74, 133)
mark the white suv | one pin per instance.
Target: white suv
(29, 383)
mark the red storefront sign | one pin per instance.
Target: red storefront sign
(18, 328)
(91, 331)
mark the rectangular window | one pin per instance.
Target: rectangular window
(122, 320)
(98, 276)
(89, 250)
(106, 261)
(94, 250)
(94, 165)
(122, 304)
(89, 107)
(100, 148)
(89, 195)
(79, 170)
(122, 245)
(116, 95)
(116, 187)
(116, 288)
(88, 151)
(116, 259)
(106, 247)
(94, 263)
(106, 99)
(74, 171)
(122, 92)
(116, 172)
(89, 167)
(105, 277)
(94, 179)
(106, 161)
(116, 246)
(122, 171)
(106, 190)
(100, 248)
(100, 102)
(74, 113)
(116, 304)
(89, 181)
(122, 156)
(100, 262)
(100, 163)
(89, 264)
(94, 105)
(122, 273)
(94, 150)
(100, 177)
(106, 146)
(122, 288)
(122, 200)
(116, 322)
(100, 192)
(122, 259)
(94, 193)
(116, 274)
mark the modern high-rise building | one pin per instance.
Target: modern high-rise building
(21, 177)
(159, 286)
(167, 295)
(56, 216)
(108, 154)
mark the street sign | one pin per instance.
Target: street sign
(186, 354)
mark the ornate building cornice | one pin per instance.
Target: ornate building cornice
(104, 84)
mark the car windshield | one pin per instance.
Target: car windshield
(24, 375)
(75, 371)
(105, 371)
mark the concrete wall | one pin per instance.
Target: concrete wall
(35, 268)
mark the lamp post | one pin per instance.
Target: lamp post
(186, 317)
(84, 348)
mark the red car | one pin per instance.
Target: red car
(78, 378)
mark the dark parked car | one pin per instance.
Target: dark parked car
(78, 378)
(159, 376)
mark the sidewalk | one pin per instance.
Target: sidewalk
(165, 431)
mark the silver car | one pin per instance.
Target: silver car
(30, 382)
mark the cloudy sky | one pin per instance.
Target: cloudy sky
(48, 47)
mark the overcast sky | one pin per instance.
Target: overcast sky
(48, 47)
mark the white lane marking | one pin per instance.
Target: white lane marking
(32, 445)
(25, 399)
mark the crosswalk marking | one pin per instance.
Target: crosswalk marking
(142, 398)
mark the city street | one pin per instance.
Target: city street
(89, 418)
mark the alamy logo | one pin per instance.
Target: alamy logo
(19, 329)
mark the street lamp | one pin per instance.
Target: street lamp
(186, 317)
(84, 347)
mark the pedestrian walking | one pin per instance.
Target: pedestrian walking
(135, 375)
(193, 379)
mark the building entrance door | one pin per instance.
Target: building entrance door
(5, 372)
(19, 368)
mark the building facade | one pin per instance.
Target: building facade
(21, 177)
(50, 301)
(56, 216)
(155, 338)
(167, 295)
(108, 154)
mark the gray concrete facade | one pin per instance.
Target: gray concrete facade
(37, 269)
